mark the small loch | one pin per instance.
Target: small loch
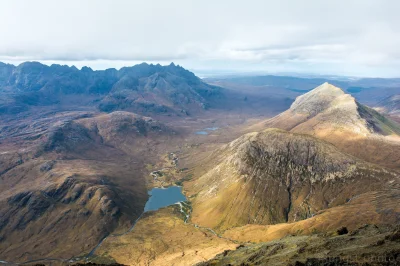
(206, 130)
(162, 197)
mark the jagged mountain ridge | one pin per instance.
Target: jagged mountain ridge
(275, 176)
(141, 88)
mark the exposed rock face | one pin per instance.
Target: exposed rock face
(275, 176)
(143, 88)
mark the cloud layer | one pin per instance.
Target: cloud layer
(358, 37)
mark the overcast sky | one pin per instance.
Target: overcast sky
(351, 37)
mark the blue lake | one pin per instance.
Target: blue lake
(201, 133)
(162, 197)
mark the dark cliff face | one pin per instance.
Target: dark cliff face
(145, 88)
(291, 177)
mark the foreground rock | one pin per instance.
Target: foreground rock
(367, 245)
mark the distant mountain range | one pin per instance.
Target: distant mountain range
(142, 88)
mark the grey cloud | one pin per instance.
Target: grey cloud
(262, 35)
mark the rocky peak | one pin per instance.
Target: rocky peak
(329, 108)
(320, 99)
(327, 89)
(329, 113)
(276, 176)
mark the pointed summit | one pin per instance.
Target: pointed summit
(328, 88)
(328, 108)
(319, 99)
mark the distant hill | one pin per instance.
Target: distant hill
(141, 88)
(328, 108)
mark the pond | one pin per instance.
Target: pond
(162, 197)
(212, 128)
(204, 131)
